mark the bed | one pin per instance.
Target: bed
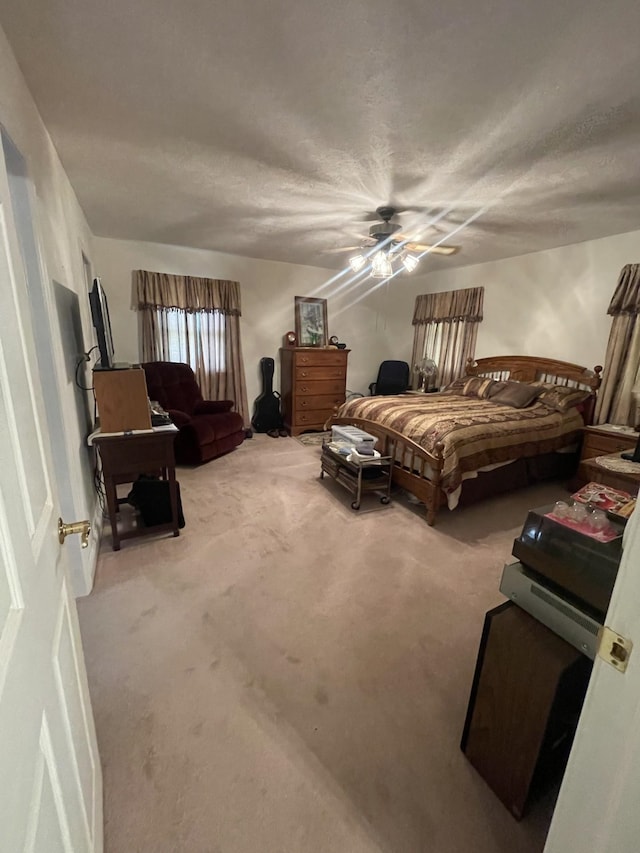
(454, 447)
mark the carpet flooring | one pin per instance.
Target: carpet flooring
(291, 675)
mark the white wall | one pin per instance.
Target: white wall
(65, 235)
(268, 289)
(552, 303)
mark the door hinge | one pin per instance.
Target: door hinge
(614, 648)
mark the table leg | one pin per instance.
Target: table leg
(356, 503)
(112, 506)
(173, 494)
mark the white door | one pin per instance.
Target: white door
(598, 810)
(50, 778)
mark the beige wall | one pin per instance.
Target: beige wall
(268, 291)
(551, 303)
(64, 235)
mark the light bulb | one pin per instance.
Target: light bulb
(381, 266)
(357, 262)
(410, 262)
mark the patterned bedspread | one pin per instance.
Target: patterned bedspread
(474, 432)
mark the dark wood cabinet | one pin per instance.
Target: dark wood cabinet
(312, 383)
(526, 698)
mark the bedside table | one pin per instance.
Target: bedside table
(606, 438)
(590, 470)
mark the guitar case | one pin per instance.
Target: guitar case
(266, 409)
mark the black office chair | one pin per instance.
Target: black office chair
(393, 378)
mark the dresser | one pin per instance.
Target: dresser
(312, 383)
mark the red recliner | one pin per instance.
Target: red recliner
(207, 428)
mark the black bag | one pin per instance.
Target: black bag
(152, 498)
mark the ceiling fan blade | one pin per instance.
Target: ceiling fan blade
(344, 249)
(434, 250)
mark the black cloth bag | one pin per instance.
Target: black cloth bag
(151, 497)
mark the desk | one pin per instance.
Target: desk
(124, 458)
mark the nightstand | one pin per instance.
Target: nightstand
(590, 471)
(606, 438)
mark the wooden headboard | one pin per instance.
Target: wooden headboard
(529, 368)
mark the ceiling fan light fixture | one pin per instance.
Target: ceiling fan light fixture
(410, 262)
(357, 262)
(381, 265)
(388, 251)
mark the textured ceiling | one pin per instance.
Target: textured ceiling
(270, 129)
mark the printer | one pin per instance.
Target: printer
(563, 578)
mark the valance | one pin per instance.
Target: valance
(184, 292)
(626, 297)
(449, 306)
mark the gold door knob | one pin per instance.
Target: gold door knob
(81, 527)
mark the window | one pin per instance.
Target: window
(445, 330)
(195, 321)
(195, 338)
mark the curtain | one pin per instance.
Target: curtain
(196, 321)
(616, 403)
(446, 329)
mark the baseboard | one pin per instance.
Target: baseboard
(97, 524)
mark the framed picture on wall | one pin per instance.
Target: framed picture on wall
(311, 321)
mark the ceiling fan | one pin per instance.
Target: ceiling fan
(393, 246)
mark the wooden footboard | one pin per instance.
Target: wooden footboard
(414, 468)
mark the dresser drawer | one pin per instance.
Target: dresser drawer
(315, 420)
(324, 402)
(322, 372)
(315, 388)
(320, 358)
(598, 444)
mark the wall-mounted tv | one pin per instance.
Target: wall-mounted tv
(102, 325)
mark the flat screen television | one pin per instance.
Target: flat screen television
(102, 325)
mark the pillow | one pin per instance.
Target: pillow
(456, 386)
(561, 398)
(498, 385)
(519, 395)
(477, 386)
